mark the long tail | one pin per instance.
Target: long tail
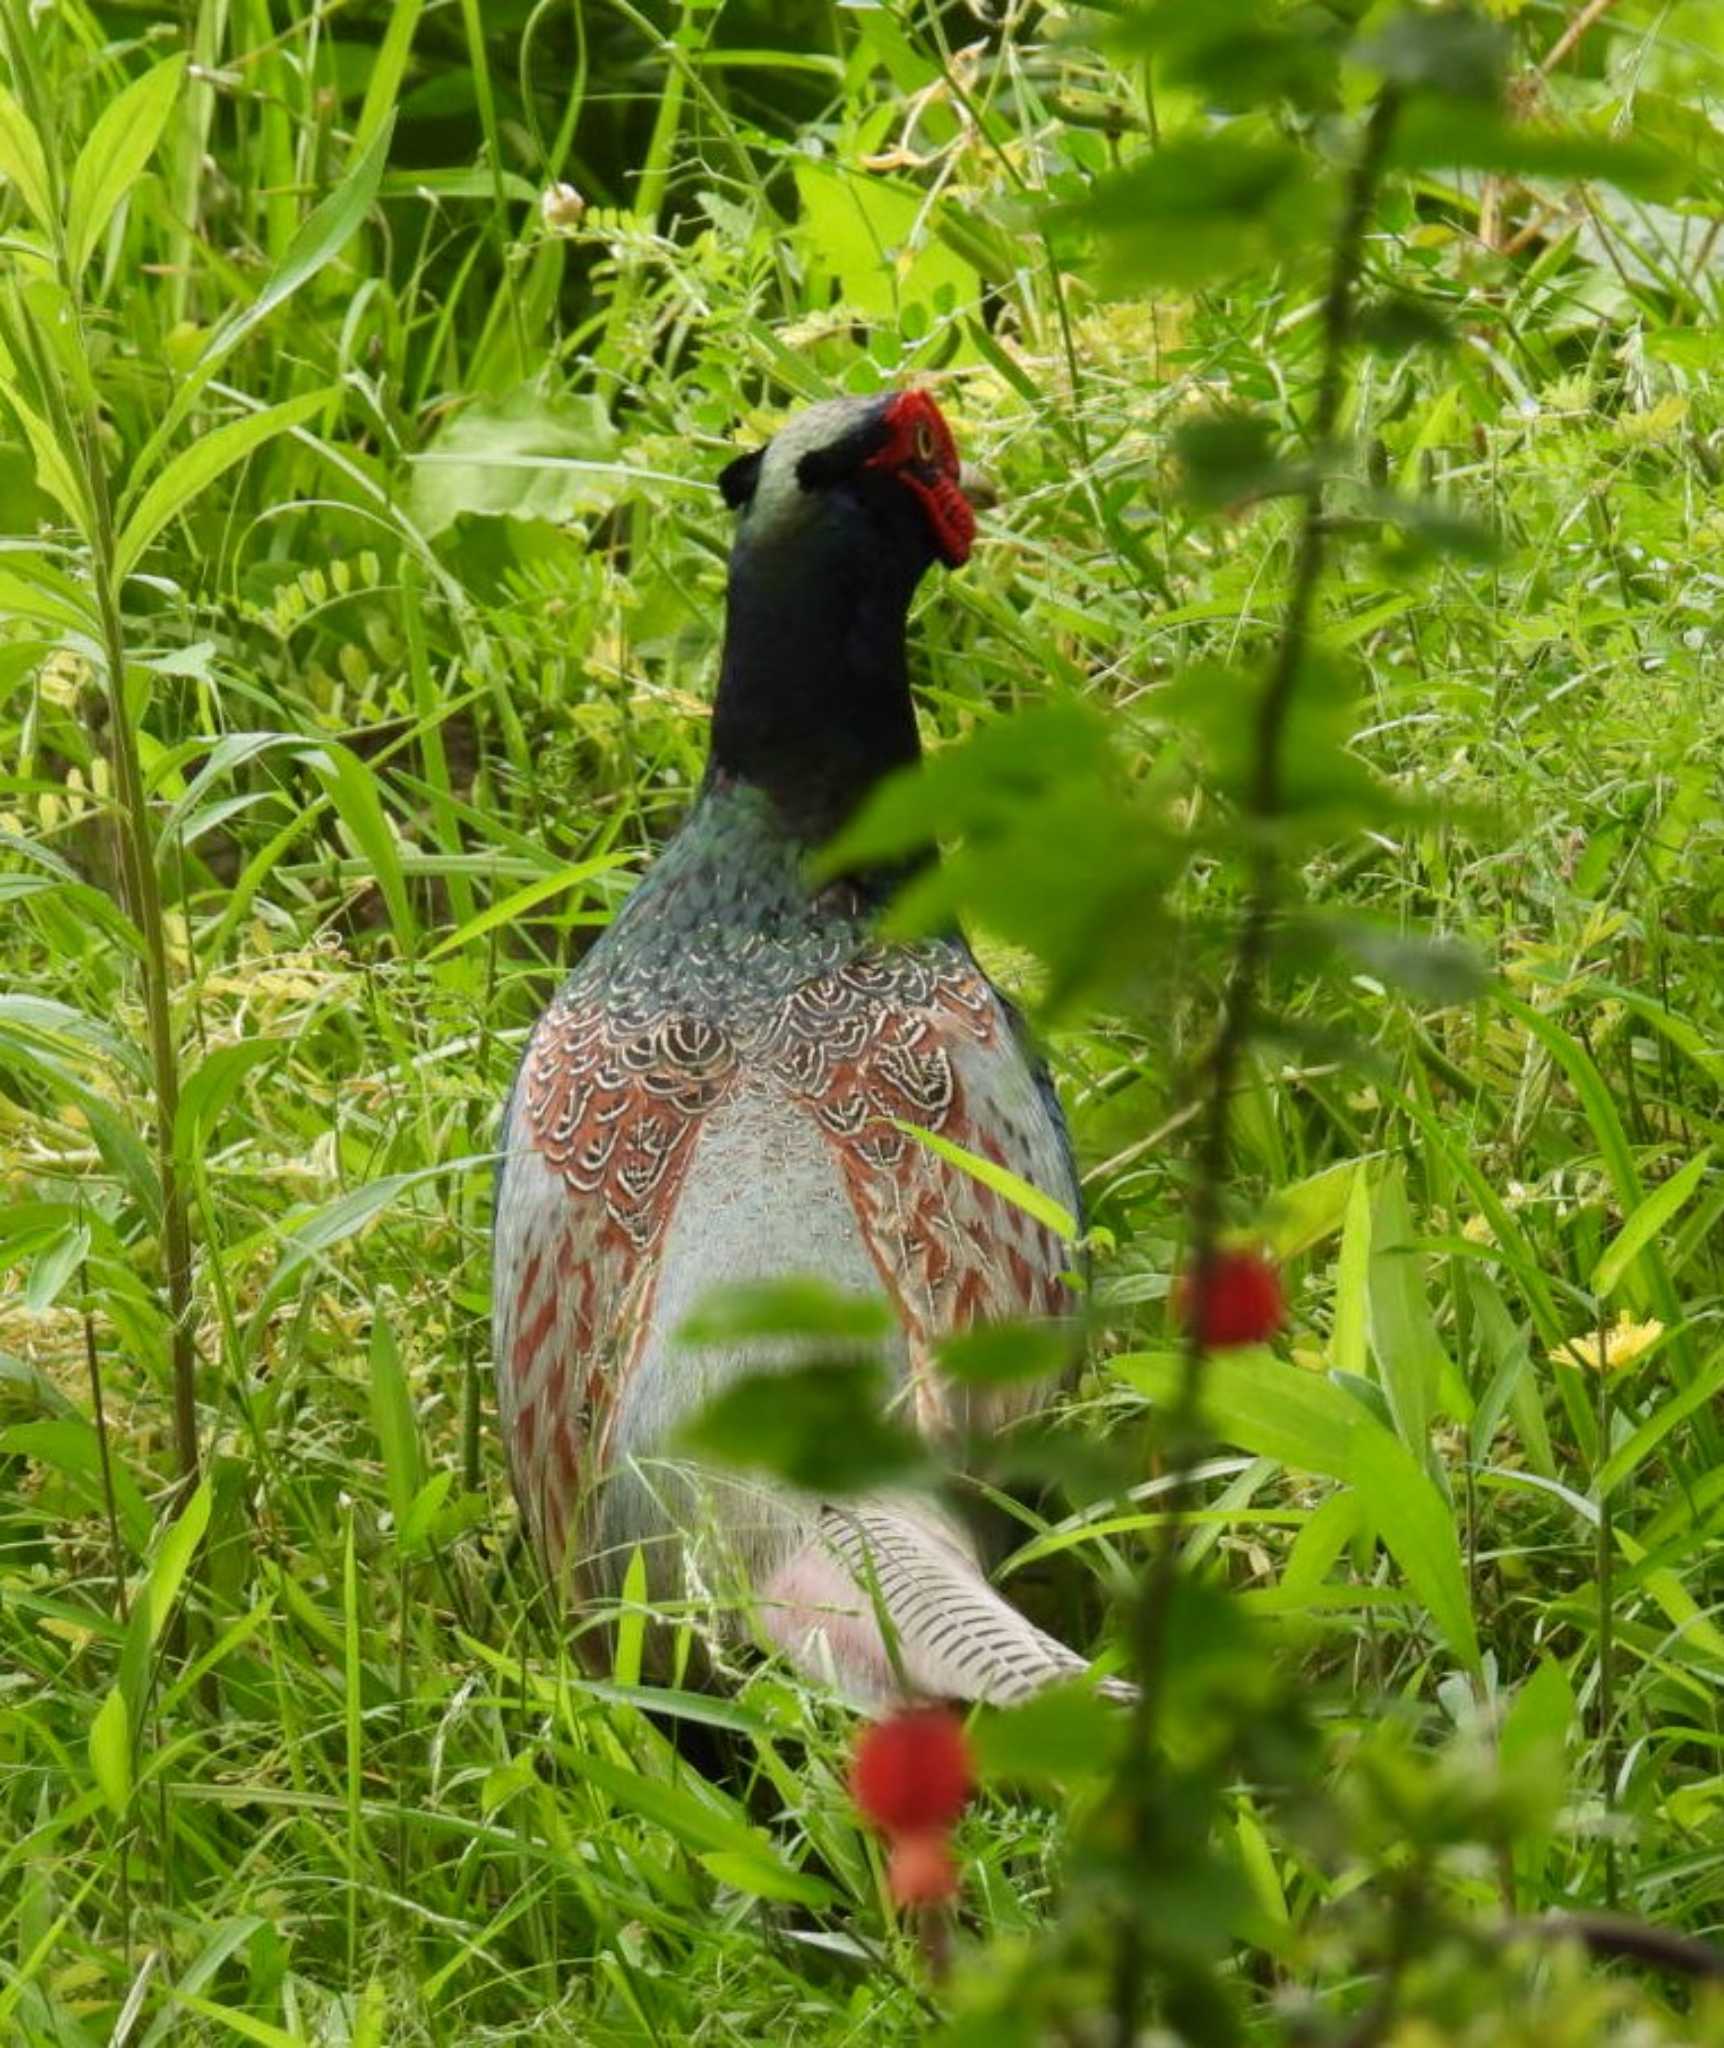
(884, 1599)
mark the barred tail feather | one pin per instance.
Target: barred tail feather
(884, 1600)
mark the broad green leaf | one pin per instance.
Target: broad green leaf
(23, 160)
(793, 1307)
(415, 1527)
(1442, 135)
(1277, 1411)
(175, 1549)
(1062, 1736)
(333, 1222)
(821, 1427)
(998, 1354)
(1308, 1211)
(56, 472)
(1418, 1528)
(194, 469)
(111, 1750)
(1692, 1623)
(54, 1265)
(706, 1819)
(71, 1446)
(1648, 1221)
(1010, 1187)
(767, 1878)
(115, 153)
(1250, 1398)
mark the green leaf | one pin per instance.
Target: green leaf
(1438, 135)
(1250, 1398)
(115, 153)
(1202, 206)
(352, 787)
(1010, 1187)
(1449, 50)
(793, 1307)
(1062, 1736)
(333, 1222)
(1277, 1411)
(325, 231)
(1648, 1221)
(54, 1265)
(194, 469)
(111, 1750)
(71, 1446)
(528, 455)
(1633, 1452)
(175, 1549)
(507, 910)
(631, 1621)
(1409, 1354)
(213, 1083)
(24, 161)
(388, 68)
(1418, 1529)
(762, 1878)
(1347, 1345)
(392, 1418)
(999, 1354)
(821, 1427)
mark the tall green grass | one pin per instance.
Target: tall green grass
(359, 589)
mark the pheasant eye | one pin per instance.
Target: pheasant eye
(924, 442)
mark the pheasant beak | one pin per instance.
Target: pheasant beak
(980, 488)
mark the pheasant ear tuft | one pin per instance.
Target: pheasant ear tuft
(737, 479)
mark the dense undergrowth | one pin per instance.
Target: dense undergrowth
(359, 594)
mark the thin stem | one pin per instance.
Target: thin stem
(104, 1454)
(1605, 1565)
(1261, 807)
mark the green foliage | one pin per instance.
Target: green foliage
(359, 581)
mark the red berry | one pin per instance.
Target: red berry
(1234, 1298)
(921, 1871)
(911, 1774)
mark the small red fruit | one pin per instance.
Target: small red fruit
(1234, 1298)
(921, 1870)
(911, 1774)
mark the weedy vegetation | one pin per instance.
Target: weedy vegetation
(1325, 738)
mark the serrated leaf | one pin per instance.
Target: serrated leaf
(115, 153)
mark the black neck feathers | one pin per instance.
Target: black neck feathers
(813, 703)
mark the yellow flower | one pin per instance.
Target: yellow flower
(1624, 1342)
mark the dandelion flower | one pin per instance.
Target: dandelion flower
(1624, 1341)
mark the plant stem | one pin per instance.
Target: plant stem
(1605, 1563)
(1261, 807)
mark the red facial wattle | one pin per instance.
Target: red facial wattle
(919, 453)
